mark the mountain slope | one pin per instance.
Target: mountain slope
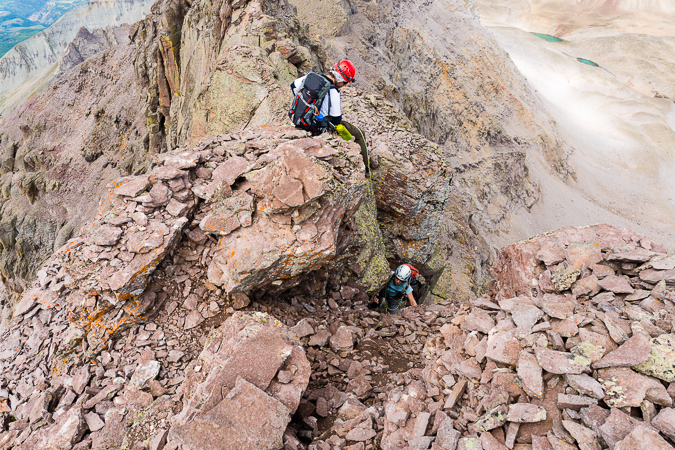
(618, 114)
(21, 20)
(31, 65)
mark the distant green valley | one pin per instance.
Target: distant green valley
(20, 20)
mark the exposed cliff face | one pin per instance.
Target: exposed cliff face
(56, 154)
(32, 65)
(63, 146)
(235, 75)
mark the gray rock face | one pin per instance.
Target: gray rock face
(145, 373)
(88, 43)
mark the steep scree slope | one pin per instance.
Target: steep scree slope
(560, 365)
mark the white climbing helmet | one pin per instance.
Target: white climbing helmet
(403, 273)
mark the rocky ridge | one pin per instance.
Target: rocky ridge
(435, 62)
(254, 48)
(88, 43)
(87, 129)
(121, 340)
(579, 359)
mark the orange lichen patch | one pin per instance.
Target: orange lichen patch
(106, 202)
(49, 302)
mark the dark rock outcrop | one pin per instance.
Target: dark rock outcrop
(89, 43)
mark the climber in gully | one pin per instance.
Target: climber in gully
(391, 298)
(317, 105)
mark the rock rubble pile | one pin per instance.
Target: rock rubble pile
(100, 284)
(171, 253)
(585, 363)
(573, 350)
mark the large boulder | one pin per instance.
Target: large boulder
(250, 360)
(304, 190)
(246, 419)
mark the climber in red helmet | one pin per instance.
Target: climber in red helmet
(317, 105)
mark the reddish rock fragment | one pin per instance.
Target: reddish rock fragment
(616, 284)
(643, 437)
(585, 437)
(634, 351)
(624, 387)
(561, 362)
(616, 427)
(489, 442)
(478, 321)
(665, 422)
(530, 374)
(503, 347)
(558, 306)
(575, 401)
(540, 443)
(525, 412)
(224, 427)
(585, 385)
(342, 340)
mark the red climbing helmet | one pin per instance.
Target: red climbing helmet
(346, 69)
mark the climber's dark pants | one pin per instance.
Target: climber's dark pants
(391, 305)
(360, 139)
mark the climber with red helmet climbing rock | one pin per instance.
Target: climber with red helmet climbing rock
(317, 106)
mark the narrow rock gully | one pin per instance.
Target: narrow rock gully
(357, 355)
